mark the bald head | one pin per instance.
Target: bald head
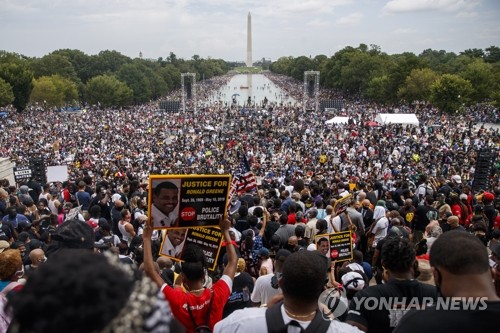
(164, 262)
(453, 220)
(155, 264)
(37, 256)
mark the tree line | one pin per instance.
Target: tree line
(69, 77)
(445, 79)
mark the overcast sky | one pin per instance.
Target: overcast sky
(217, 28)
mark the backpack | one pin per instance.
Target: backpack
(203, 328)
(275, 323)
(428, 190)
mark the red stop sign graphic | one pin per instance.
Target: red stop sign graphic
(334, 254)
(188, 214)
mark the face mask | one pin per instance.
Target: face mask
(20, 273)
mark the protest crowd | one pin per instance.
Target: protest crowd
(85, 248)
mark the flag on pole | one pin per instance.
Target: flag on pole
(243, 178)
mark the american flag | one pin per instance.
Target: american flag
(243, 178)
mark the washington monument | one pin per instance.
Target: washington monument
(249, 41)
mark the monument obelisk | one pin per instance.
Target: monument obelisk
(249, 41)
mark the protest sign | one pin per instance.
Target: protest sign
(22, 173)
(342, 204)
(340, 245)
(208, 239)
(182, 201)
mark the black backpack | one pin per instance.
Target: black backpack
(275, 323)
(203, 328)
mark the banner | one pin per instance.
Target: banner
(208, 239)
(182, 201)
(339, 244)
(22, 173)
(342, 204)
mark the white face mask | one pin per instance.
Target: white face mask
(20, 273)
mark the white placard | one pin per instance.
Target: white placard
(57, 173)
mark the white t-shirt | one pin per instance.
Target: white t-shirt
(380, 229)
(263, 291)
(268, 264)
(336, 222)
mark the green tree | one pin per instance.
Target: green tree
(6, 93)
(54, 64)
(473, 53)
(68, 88)
(135, 76)
(45, 92)
(356, 75)
(438, 61)
(480, 75)
(300, 65)
(417, 86)
(53, 91)
(378, 89)
(450, 92)
(108, 91)
(282, 65)
(15, 70)
(80, 62)
(106, 62)
(158, 85)
(492, 54)
(403, 65)
(172, 58)
(172, 76)
(459, 64)
(495, 98)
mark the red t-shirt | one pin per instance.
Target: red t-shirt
(179, 299)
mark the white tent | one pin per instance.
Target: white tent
(397, 118)
(337, 120)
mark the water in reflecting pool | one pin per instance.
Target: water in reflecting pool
(256, 86)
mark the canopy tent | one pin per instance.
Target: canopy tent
(397, 118)
(337, 120)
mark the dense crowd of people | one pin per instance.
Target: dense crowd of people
(413, 201)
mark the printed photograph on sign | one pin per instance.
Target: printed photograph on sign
(165, 202)
(208, 239)
(173, 244)
(183, 201)
(336, 246)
